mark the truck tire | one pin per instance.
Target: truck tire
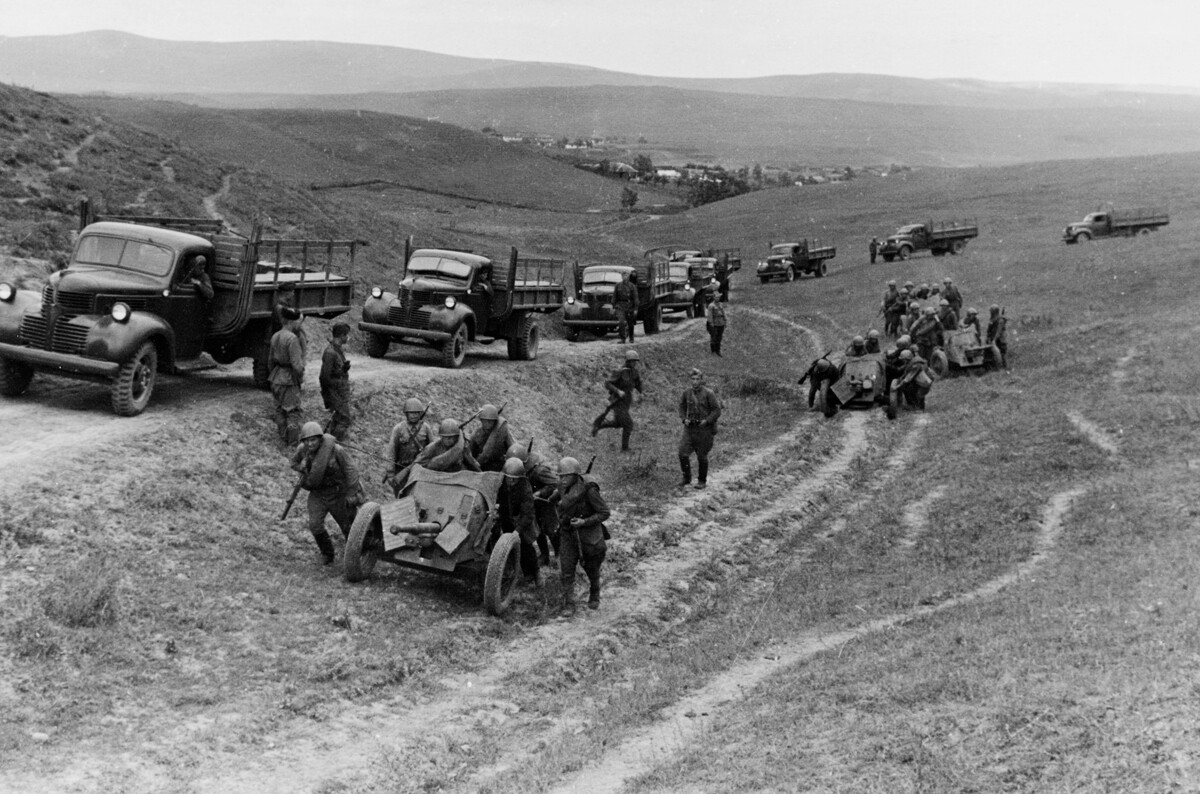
(957, 247)
(134, 384)
(821, 269)
(1142, 232)
(653, 319)
(764, 279)
(524, 346)
(572, 333)
(14, 377)
(938, 251)
(364, 544)
(790, 275)
(905, 252)
(377, 345)
(503, 571)
(454, 349)
(888, 257)
(1083, 237)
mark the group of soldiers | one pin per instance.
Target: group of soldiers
(926, 327)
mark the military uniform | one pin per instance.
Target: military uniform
(952, 296)
(620, 387)
(916, 381)
(333, 486)
(716, 326)
(582, 512)
(286, 361)
(948, 317)
(699, 410)
(448, 455)
(490, 445)
(407, 442)
(997, 326)
(873, 247)
(335, 390)
(926, 334)
(625, 304)
(516, 513)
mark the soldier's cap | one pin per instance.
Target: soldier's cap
(341, 329)
(995, 307)
(289, 313)
(695, 371)
(972, 311)
(892, 283)
(946, 280)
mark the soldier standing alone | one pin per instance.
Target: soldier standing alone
(873, 247)
(620, 387)
(625, 304)
(699, 410)
(582, 512)
(715, 323)
(335, 381)
(286, 361)
(332, 483)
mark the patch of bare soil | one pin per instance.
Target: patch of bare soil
(1094, 433)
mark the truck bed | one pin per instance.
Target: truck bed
(949, 230)
(1141, 216)
(536, 282)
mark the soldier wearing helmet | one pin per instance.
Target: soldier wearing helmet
(893, 311)
(715, 323)
(997, 325)
(921, 292)
(285, 359)
(903, 342)
(625, 303)
(910, 318)
(873, 249)
(699, 410)
(916, 380)
(582, 512)
(515, 508)
(491, 441)
(858, 347)
(332, 482)
(872, 345)
(335, 381)
(947, 316)
(621, 385)
(972, 321)
(544, 482)
(408, 439)
(952, 294)
(926, 332)
(449, 451)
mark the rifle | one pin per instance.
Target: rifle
(588, 470)
(813, 366)
(287, 508)
(411, 438)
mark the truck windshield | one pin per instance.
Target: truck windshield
(910, 229)
(438, 266)
(782, 250)
(95, 249)
(593, 278)
(677, 256)
(678, 270)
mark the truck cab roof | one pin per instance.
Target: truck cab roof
(447, 253)
(168, 238)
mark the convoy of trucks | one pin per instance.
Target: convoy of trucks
(1110, 222)
(942, 237)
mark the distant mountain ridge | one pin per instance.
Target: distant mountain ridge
(117, 62)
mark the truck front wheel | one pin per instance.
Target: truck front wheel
(377, 345)
(454, 349)
(790, 275)
(904, 253)
(1082, 237)
(1142, 232)
(524, 346)
(14, 377)
(134, 384)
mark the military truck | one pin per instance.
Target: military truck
(787, 260)
(590, 307)
(1110, 222)
(124, 309)
(941, 237)
(449, 297)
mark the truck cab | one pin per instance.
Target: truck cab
(785, 260)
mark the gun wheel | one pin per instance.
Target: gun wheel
(503, 571)
(364, 544)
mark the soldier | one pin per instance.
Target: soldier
(894, 312)
(582, 512)
(909, 287)
(448, 453)
(872, 341)
(721, 273)
(997, 325)
(699, 410)
(916, 380)
(197, 277)
(544, 483)
(286, 361)
(926, 333)
(408, 440)
(516, 511)
(947, 316)
(904, 342)
(858, 347)
(620, 387)
(972, 321)
(491, 440)
(625, 304)
(715, 323)
(951, 293)
(332, 483)
(873, 247)
(921, 293)
(335, 381)
(910, 319)
(891, 295)
(893, 367)
(286, 299)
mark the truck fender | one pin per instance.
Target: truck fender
(443, 319)
(13, 312)
(113, 341)
(375, 310)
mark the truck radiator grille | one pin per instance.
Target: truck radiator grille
(67, 338)
(71, 303)
(408, 317)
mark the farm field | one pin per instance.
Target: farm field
(992, 595)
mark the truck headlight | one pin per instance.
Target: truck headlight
(450, 302)
(376, 292)
(120, 312)
(7, 293)
(689, 288)
(570, 301)
(762, 265)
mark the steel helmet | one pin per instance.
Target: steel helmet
(946, 280)
(311, 430)
(448, 428)
(414, 406)
(924, 286)
(904, 341)
(906, 354)
(518, 451)
(632, 355)
(904, 292)
(908, 285)
(489, 413)
(892, 282)
(972, 312)
(513, 467)
(569, 466)
(943, 302)
(928, 310)
(891, 352)
(914, 306)
(858, 341)
(995, 308)
(872, 334)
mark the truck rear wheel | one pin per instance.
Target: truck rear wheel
(821, 269)
(14, 377)
(134, 384)
(653, 319)
(524, 346)
(764, 279)
(454, 349)
(957, 247)
(1143, 231)
(572, 333)
(377, 345)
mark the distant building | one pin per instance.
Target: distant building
(668, 173)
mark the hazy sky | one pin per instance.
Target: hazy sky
(1103, 41)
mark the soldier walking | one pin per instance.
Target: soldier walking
(286, 362)
(516, 512)
(332, 483)
(335, 381)
(620, 388)
(916, 379)
(625, 304)
(952, 294)
(582, 512)
(947, 316)
(972, 321)
(873, 247)
(409, 438)
(699, 410)
(715, 323)
(997, 325)
(449, 452)
(491, 441)
(544, 482)
(926, 332)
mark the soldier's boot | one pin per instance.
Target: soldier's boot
(325, 545)
(685, 465)
(543, 544)
(293, 428)
(594, 596)
(596, 425)
(568, 605)
(625, 433)
(702, 473)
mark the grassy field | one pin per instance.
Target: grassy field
(994, 595)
